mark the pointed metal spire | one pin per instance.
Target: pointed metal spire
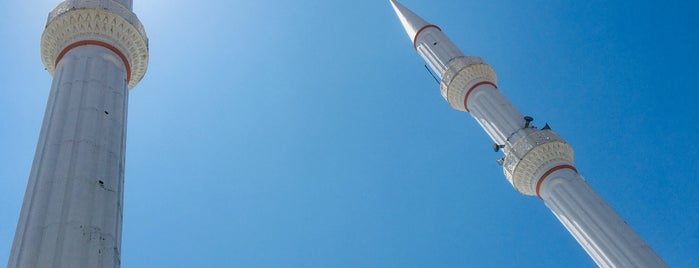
(412, 23)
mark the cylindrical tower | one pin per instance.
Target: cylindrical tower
(537, 162)
(72, 210)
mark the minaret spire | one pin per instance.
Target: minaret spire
(537, 162)
(411, 22)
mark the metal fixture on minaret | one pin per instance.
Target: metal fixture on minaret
(537, 162)
(71, 216)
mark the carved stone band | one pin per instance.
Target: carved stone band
(531, 155)
(104, 21)
(460, 75)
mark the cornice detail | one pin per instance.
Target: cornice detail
(100, 20)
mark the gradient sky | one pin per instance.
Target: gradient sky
(308, 133)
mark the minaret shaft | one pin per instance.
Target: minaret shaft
(126, 3)
(430, 44)
(605, 236)
(537, 162)
(498, 117)
(72, 210)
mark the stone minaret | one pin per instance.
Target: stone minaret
(537, 162)
(71, 216)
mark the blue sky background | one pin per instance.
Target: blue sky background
(308, 133)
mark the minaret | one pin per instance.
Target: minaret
(71, 216)
(537, 162)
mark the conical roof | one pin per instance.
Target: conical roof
(411, 22)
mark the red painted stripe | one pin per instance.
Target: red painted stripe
(421, 29)
(541, 180)
(101, 44)
(474, 87)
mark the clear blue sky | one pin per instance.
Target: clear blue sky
(308, 133)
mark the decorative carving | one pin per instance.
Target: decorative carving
(462, 73)
(530, 154)
(100, 20)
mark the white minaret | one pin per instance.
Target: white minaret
(537, 162)
(96, 51)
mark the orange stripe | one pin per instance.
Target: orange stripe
(474, 87)
(421, 29)
(541, 180)
(101, 44)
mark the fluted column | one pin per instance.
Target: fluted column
(605, 236)
(72, 210)
(496, 115)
